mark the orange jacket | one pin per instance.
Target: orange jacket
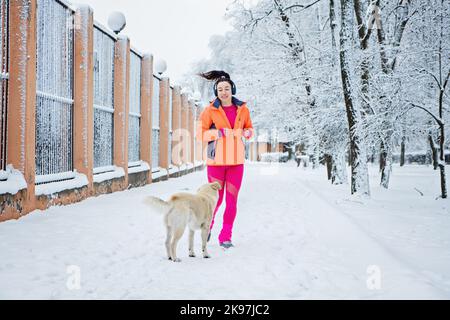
(224, 150)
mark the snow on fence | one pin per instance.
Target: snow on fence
(4, 76)
(170, 126)
(103, 100)
(54, 101)
(155, 123)
(134, 119)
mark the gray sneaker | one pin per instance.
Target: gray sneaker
(226, 244)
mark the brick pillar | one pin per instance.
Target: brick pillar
(164, 123)
(191, 131)
(257, 151)
(252, 151)
(146, 111)
(184, 128)
(198, 144)
(22, 97)
(121, 103)
(201, 145)
(176, 125)
(83, 113)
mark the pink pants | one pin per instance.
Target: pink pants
(230, 177)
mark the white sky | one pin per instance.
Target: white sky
(177, 31)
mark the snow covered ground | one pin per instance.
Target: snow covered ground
(296, 237)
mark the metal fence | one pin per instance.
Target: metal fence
(4, 76)
(134, 120)
(103, 101)
(54, 101)
(155, 122)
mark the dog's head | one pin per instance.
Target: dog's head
(210, 188)
(215, 185)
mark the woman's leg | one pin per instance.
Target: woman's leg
(217, 173)
(233, 180)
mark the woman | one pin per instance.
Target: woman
(223, 124)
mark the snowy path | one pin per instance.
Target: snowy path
(293, 241)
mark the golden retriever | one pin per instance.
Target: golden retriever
(186, 209)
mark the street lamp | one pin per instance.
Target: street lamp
(117, 21)
(197, 95)
(160, 66)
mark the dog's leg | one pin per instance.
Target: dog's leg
(191, 243)
(205, 232)
(168, 238)
(176, 237)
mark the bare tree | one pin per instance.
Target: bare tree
(359, 176)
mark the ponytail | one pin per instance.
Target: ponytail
(215, 75)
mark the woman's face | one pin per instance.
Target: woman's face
(224, 90)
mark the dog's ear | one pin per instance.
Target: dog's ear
(216, 185)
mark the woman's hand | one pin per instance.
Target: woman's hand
(247, 134)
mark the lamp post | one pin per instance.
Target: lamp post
(117, 22)
(160, 66)
(197, 96)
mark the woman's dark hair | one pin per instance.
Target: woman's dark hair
(218, 77)
(214, 75)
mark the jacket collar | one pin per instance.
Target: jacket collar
(235, 101)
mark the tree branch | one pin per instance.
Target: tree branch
(304, 7)
(363, 34)
(446, 80)
(439, 122)
(434, 77)
(254, 21)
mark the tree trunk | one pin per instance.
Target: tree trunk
(442, 86)
(403, 16)
(442, 163)
(382, 156)
(359, 176)
(386, 165)
(332, 16)
(364, 35)
(443, 181)
(402, 153)
(329, 163)
(433, 151)
(339, 169)
(315, 159)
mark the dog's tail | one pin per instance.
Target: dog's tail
(158, 204)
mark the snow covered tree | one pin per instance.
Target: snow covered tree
(341, 77)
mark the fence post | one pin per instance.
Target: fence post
(83, 113)
(202, 144)
(252, 151)
(184, 127)
(22, 95)
(121, 103)
(176, 126)
(198, 143)
(146, 111)
(191, 132)
(164, 123)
